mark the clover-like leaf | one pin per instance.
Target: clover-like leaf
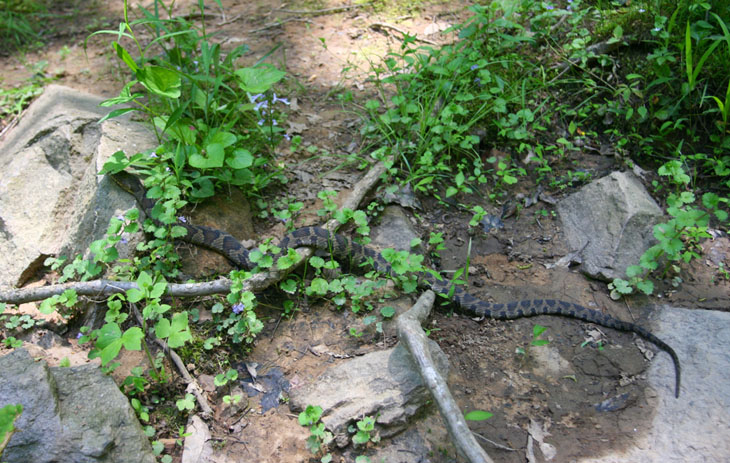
(258, 79)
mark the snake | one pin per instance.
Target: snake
(342, 247)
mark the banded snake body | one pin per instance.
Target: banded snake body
(342, 247)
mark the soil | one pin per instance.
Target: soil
(487, 371)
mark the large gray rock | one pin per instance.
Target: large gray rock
(72, 414)
(51, 200)
(384, 383)
(696, 426)
(611, 220)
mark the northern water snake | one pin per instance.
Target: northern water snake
(343, 247)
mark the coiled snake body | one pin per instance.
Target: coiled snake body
(342, 247)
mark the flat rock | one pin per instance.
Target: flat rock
(52, 202)
(611, 221)
(74, 414)
(696, 426)
(384, 383)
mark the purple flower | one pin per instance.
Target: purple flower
(261, 104)
(182, 219)
(153, 155)
(124, 240)
(474, 66)
(283, 100)
(549, 7)
(287, 137)
(120, 218)
(238, 308)
(260, 122)
(273, 122)
(79, 335)
(253, 98)
(477, 80)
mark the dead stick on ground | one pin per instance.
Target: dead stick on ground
(257, 282)
(326, 10)
(400, 31)
(411, 334)
(193, 386)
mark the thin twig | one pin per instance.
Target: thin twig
(279, 23)
(401, 31)
(193, 385)
(326, 10)
(495, 444)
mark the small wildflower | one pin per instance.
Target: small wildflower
(120, 218)
(549, 7)
(283, 100)
(261, 104)
(182, 219)
(287, 137)
(253, 98)
(167, 169)
(124, 240)
(153, 155)
(657, 29)
(641, 10)
(238, 307)
(191, 127)
(273, 122)
(474, 66)
(79, 335)
(260, 122)
(477, 81)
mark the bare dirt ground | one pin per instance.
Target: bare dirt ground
(507, 264)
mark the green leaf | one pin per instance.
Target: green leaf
(109, 342)
(318, 286)
(134, 295)
(537, 330)
(478, 415)
(645, 286)
(387, 311)
(160, 81)
(8, 415)
(125, 56)
(177, 332)
(241, 159)
(361, 437)
(224, 138)
(211, 157)
(258, 79)
(132, 338)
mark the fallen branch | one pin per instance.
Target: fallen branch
(416, 341)
(279, 23)
(258, 282)
(326, 10)
(193, 386)
(384, 26)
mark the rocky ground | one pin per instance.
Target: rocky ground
(549, 394)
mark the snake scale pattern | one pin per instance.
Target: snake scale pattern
(344, 248)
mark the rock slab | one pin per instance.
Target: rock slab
(384, 383)
(52, 202)
(611, 221)
(74, 414)
(695, 427)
